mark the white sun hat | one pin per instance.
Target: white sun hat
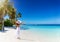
(19, 21)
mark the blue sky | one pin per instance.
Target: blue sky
(38, 11)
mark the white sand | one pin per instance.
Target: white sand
(29, 36)
(10, 36)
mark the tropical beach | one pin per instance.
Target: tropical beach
(30, 20)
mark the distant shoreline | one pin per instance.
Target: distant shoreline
(43, 24)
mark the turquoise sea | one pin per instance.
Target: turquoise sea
(43, 33)
(43, 30)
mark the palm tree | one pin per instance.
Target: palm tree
(1, 18)
(7, 9)
(12, 15)
(10, 10)
(19, 15)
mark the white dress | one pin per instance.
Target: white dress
(18, 31)
(18, 28)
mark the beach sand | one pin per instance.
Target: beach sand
(10, 36)
(29, 36)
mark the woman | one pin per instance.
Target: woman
(18, 23)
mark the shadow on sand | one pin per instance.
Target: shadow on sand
(3, 31)
(26, 39)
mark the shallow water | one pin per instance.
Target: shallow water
(44, 33)
(44, 29)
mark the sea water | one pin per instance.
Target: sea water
(49, 30)
(44, 33)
